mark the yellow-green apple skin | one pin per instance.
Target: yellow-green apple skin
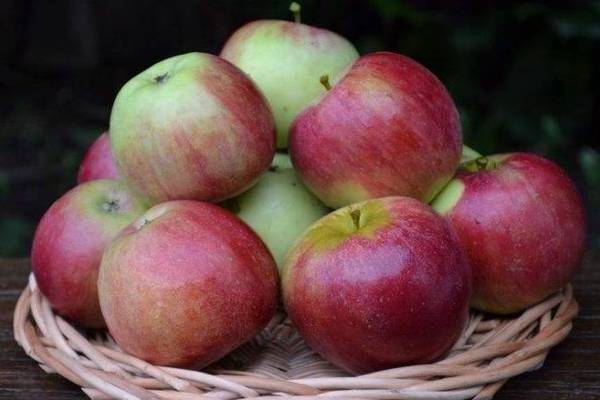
(468, 154)
(287, 60)
(279, 208)
(387, 127)
(378, 284)
(69, 242)
(186, 283)
(522, 224)
(282, 160)
(191, 127)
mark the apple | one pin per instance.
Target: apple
(98, 162)
(388, 127)
(286, 60)
(378, 284)
(186, 283)
(521, 222)
(279, 208)
(193, 127)
(69, 241)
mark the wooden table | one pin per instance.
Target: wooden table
(572, 370)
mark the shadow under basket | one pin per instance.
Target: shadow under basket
(277, 363)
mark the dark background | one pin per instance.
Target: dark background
(523, 75)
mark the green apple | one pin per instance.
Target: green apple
(279, 207)
(287, 60)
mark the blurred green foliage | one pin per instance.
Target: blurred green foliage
(523, 74)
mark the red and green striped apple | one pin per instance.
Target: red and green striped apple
(191, 127)
(378, 284)
(69, 241)
(186, 283)
(388, 127)
(522, 224)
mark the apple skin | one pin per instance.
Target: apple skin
(98, 162)
(279, 207)
(191, 127)
(286, 61)
(468, 154)
(69, 242)
(282, 161)
(388, 127)
(522, 225)
(393, 291)
(186, 284)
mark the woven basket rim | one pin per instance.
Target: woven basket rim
(277, 363)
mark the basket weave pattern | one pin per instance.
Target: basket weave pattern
(278, 363)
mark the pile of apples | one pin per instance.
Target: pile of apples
(187, 222)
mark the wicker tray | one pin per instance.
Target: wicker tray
(278, 363)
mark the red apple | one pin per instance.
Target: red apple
(69, 241)
(98, 162)
(191, 127)
(388, 127)
(186, 284)
(522, 224)
(378, 284)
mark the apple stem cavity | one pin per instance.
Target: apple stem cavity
(295, 9)
(480, 164)
(161, 78)
(355, 215)
(324, 79)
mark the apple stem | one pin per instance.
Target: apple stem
(324, 79)
(295, 9)
(480, 164)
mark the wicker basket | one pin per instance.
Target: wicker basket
(278, 363)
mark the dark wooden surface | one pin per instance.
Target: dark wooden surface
(572, 370)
